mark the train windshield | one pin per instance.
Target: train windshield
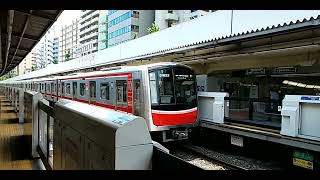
(172, 88)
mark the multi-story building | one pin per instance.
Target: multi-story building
(68, 41)
(125, 25)
(56, 50)
(168, 18)
(88, 31)
(27, 64)
(43, 52)
(103, 30)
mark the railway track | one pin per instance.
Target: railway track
(218, 161)
(221, 159)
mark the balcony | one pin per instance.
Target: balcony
(171, 17)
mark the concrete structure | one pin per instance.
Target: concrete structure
(168, 18)
(103, 30)
(88, 31)
(125, 25)
(69, 40)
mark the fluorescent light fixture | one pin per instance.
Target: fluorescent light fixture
(301, 85)
(285, 82)
(292, 83)
(317, 87)
(310, 86)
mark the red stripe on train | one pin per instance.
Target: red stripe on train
(174, 119)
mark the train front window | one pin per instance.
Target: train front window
(166, 86)
(184, 86)
(172, 88)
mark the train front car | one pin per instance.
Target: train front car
(173, 101)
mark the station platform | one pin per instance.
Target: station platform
(264, 134)
(14, 141)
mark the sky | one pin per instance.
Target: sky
(66, 18)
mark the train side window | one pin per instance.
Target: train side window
(92, 89)
(62, 89)
(121, 91)
(52, 89)
(74, 88)
(82, 88)
(104, 91)
(68, 88)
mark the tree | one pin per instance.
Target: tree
(67, 56)
(153, 28)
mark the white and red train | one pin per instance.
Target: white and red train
(163, 93)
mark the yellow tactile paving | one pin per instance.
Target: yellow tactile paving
(13, 139)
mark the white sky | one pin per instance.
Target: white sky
(66, 18)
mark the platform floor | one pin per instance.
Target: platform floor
(15, 141)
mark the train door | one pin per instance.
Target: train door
(92, 91)
(121, 94)
(74, 89)
(82, 90)
(68, 92)
(137, 97)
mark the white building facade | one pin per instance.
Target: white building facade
(168, 18)
(88, 32)
(68, 41)
(43, 52)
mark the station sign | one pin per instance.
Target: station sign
(310, 98)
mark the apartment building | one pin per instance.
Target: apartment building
(88, 32)
(125, 25)
(68, 41)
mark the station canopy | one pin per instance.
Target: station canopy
(20, 32)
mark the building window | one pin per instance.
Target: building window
(134, 28)
(135, 14)
(170, 23)
(104, 91)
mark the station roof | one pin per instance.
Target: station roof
(20, 32)
(217, 28)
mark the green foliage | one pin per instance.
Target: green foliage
(68, 55)
(153, 28)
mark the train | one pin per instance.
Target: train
(164, 94)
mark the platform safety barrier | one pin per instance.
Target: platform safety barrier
(73, 135)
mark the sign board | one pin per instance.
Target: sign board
(237, 140)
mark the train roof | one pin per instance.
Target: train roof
(112, 70)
